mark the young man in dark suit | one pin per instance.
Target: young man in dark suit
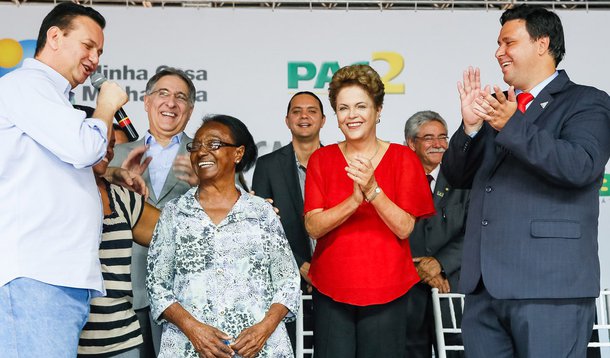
(534, 158)
(280, 176)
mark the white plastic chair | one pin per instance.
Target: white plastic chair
(454, 327)
(301, 350)
(602, 326)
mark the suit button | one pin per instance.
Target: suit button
(484, 222)
(488, 189)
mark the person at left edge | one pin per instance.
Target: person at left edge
(50, 212)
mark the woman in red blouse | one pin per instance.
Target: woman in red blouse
(362, 197)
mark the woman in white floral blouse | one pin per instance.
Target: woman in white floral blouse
(221, 276)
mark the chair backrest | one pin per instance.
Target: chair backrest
(301, 350)
(602, 325)
(455, 304)
(452, 305)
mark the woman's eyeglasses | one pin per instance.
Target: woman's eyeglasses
(208, 146)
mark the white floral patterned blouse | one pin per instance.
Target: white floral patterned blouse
(226, 275)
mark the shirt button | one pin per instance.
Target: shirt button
(488, 189)
(484, 222)
(222, 313)
(219, 270)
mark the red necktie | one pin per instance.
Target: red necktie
(523, 99)
(430, 179)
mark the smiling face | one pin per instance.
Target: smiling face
(427, 145)
(217, 164)
(74, 52)
(305, 118)
(356, 113)
(167, 114)
(525, 62)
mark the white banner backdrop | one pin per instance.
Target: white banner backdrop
(248, 62)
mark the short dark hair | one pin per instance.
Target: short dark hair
(171, 71)
(240, 135)
(62, 16)
(307, 93)
(540, 22)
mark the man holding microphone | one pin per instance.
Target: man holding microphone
(50, 212)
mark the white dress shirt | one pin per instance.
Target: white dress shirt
(434, 174)
(50, 207)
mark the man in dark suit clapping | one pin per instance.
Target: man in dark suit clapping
(534, 158)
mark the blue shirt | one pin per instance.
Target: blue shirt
(163, 159)
(50, 207)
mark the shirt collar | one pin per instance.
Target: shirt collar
(299, 165)
(539, 87)
(241, 210)
(435, 172)
(149, 139)
(60, 82)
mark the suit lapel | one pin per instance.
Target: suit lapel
(441, 189)
(535, 110)
(171, 180)
(152, 198)
(545, 97)
(291, 176)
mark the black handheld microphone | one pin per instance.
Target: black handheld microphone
(121, 117)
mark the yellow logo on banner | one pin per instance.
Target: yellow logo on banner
(12, 53)
(605, 191)
(305, 71)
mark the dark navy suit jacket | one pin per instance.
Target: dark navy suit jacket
(532, 222)
(276, 177)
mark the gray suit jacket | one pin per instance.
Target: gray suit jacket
(532, 222)
(442, 235)
(172, 188)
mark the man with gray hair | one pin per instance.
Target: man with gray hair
(169, 103)
(436, 242)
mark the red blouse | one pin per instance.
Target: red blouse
(362, 262)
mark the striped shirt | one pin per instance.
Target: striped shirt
(112, 326)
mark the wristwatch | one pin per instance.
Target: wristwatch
(375, 193)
